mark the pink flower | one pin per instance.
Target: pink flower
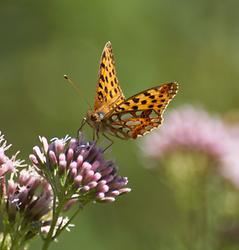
(29, 195)
(25, 197)
(194, 130)
(78, 169)
(230, 168)
(7, 165)
(190, 129)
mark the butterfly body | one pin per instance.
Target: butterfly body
(94, 119)
(126, 118)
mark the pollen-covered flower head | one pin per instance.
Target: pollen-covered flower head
(78, 169)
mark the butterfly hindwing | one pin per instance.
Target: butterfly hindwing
(141, 113)
(108, 91)
(130, 125)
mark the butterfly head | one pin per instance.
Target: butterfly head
(95, 118)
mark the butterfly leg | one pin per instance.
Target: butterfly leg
(95, 135)
(109, 139)
(83, 122)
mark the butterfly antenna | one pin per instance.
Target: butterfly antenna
(76, 88)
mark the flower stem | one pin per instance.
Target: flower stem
(3, 241)
(56, 212)
(70, 220)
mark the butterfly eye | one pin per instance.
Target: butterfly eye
(93, 117)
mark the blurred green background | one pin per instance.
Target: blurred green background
(154, 41)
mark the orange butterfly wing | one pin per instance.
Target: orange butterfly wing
(108, 91)
(140, 113)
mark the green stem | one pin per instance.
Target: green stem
(205, 207)
(3, 240)
(68, 222)
(56, 212)
(6, 230)
(18, 236)
(15, 242)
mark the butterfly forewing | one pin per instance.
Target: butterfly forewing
(108, 91)
(140, 113)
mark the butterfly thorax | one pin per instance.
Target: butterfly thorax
(95, 119)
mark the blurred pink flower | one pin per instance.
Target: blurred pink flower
(188, 128)
(230, 168)
(193, 129)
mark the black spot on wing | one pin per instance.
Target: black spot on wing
(100, 95)
(111, 95)
(121, 108)
(143, 102)
(135, 100)
(102, 78)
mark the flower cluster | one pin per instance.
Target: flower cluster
(78, 169)
(31, 196)
(190, 129)
(25, 199)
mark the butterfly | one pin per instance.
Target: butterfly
(130, 118)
